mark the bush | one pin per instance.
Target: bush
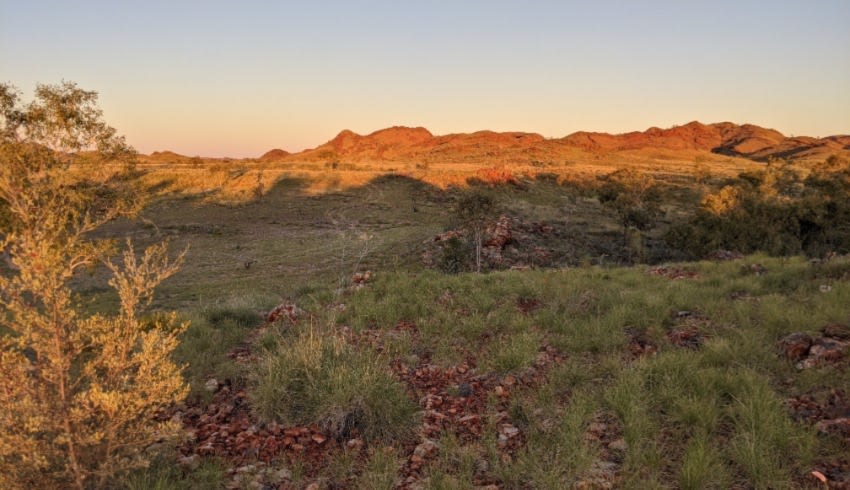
(773, 211)
(79, 393)
(454, 256)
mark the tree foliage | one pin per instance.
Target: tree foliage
(79, 392)
(779, 210)
(474, 210)
(634, 196)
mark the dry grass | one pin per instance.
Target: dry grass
(233, 180)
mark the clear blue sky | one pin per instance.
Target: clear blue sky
(239, 78)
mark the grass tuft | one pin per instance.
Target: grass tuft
(317, 378)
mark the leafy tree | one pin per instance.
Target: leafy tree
(634, 196)
(774, 210)
(475, 210)
(636, 199)
(79, 392)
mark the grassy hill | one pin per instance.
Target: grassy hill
(323, 351)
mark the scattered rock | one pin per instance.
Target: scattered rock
(753, 269)
(426, 449)
(689, 338)
(211, 385)
(508, 242)
(284, 311)
(499, 233)
(795, 346)
(509, 431)
(618, 445)
(191, 461)
(673, 272)
(361, 279)
(824, 351)
(838, 331)
(640, 344)
(828, 411)
(465, 390)
(528, 305)
(839, 427)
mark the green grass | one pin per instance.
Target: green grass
(701, 418)
(316, 377)
(381, 470)
(163, 474)
(706, 418)
(213, 331)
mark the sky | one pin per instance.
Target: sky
(227, 78)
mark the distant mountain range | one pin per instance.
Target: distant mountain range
(418, 144)
(406, 144)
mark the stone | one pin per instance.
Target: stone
(795, 346)
(426, 448)
(688, 338)
(827, 350)
(211, 385)
(838, 331)
(618, 445)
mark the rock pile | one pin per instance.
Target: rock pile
(508, 242)
(284, 311)
(808, 352)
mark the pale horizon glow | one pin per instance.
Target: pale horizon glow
(237, 79)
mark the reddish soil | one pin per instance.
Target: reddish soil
(455, 400)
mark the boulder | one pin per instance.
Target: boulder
(796, 346)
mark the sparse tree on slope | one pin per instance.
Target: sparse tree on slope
(475, 210)
(79, 392)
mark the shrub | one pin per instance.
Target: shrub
(79, 393)
(773, 211)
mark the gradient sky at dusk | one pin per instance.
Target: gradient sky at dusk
(238, 78)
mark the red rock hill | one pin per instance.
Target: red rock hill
(418, 144)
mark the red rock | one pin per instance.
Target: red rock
(688, 338)
(284, 311)
(354, 444)
(426, 449)
(839, 427)
(795, 346)
(838, 331)
(825, 350)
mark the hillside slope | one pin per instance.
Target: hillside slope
(419, 144)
